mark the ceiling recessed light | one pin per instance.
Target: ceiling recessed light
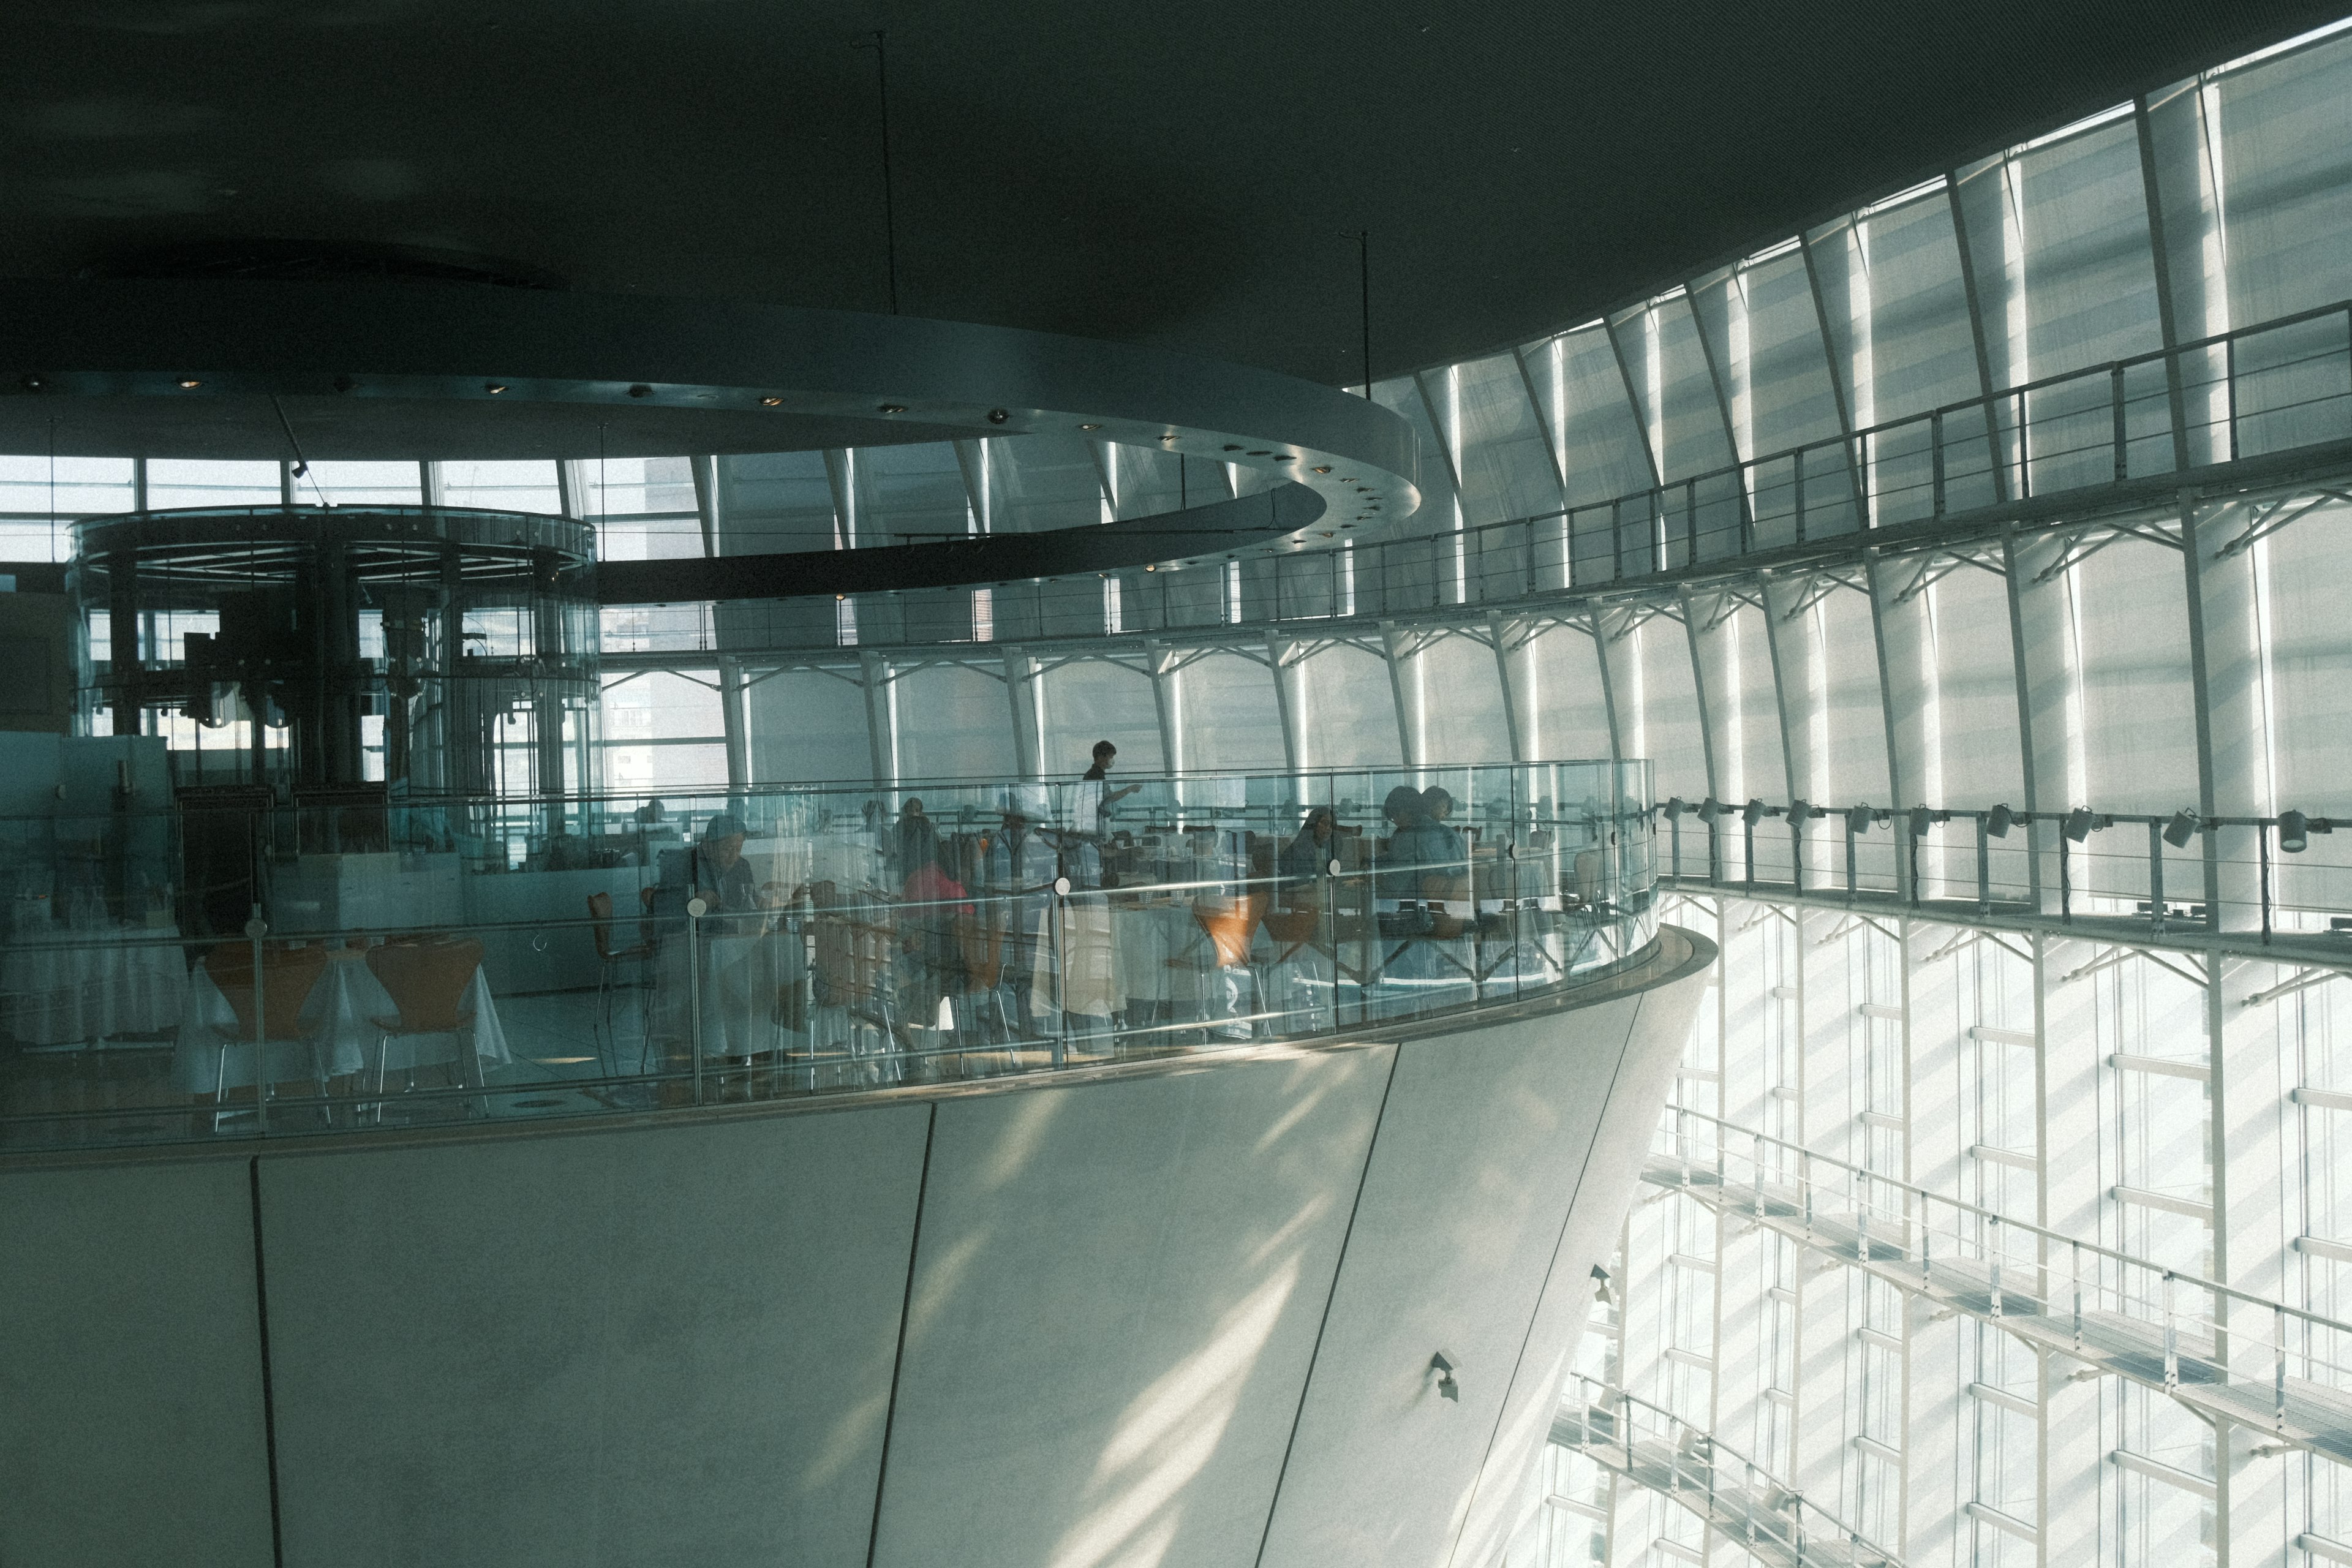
(1327, 533)
(998, 417)
(641, 389)
(1172, 436)
(771, 402)
(1232, 446)
(1089, 426)
(1152, 568)
(1261, 452)
(494, 387)
(1286, 457)
(191, 384)
(894, 408)
(1322, 467)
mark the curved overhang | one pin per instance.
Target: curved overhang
(343, 370)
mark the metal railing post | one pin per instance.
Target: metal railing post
(2116, 399)
(2171, 1338)
(693, 910)
(1936, 458)
(2074, 1273)
(2230, 390)
(2278, 1364)
(1992, 1225)
(1984, 867)
(2024, 452)
(255, 929)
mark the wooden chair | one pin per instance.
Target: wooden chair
(427, 981)
(288, 975)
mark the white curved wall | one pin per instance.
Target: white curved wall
(1174, 1317)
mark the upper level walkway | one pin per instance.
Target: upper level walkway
(2267, 406)
(443, 961)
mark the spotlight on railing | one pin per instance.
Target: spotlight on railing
(2182, 828)
(2079, 824)
(1752, 813)
(1675, 809)
(1858, 820)
(1801, 811)
(1997, 822)
(1709, 809)
(2295, 832)
(1921, 818)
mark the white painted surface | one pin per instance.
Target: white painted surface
(656, 1345)
(1505, 1495)
(677, 1342)
(1116, 1302)
(1480, 1151)
(131, 1417)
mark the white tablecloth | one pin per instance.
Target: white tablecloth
(98, 983)
(339, 1031)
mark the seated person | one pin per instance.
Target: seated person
(720, 875)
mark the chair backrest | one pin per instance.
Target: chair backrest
(287, 975)
(427, 980)
(599, 913)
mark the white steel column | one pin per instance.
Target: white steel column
(881, 735)
(1020, 679)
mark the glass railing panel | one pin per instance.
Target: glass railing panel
(459, 960)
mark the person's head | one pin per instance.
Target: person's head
(1436, 803)
(1105, 753)
(1319, 823)
(1403, 805)
(722, 839)
(913, 806)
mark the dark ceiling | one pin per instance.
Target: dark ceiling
(1182, 175)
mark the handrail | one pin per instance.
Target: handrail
(1993, 1217)
(2249, 882)
(1684, 1441)
(1981, 457)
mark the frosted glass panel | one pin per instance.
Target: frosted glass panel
(806, 725)
(1228, 720)
(1974, 732)
(1657, 705)
(1454, 703)
(774, 502)
(2131, 631)
(1563, 706)
(1094, 700)
(1347, 712)
(953, 721)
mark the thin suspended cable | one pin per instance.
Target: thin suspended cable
(1364, 313)
(301, 465)
(889, 207)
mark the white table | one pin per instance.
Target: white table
(338, 1028)
(68, 987)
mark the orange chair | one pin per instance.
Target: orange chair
(288, 975)
(427, 981)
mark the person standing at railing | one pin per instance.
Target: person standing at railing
(1080, 979)
(1096, 797)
